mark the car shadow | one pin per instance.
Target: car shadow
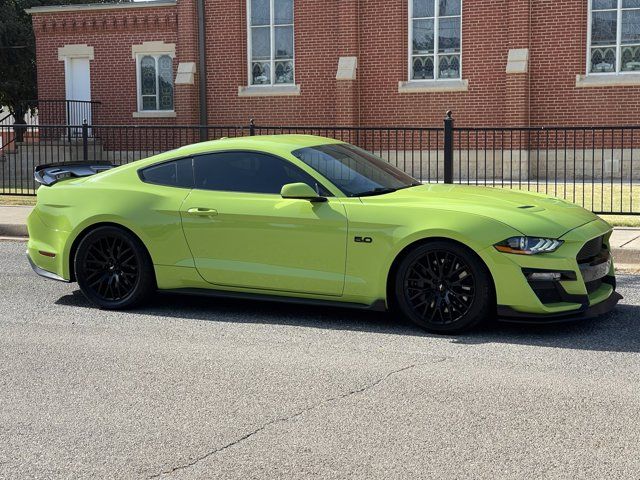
(618, 331)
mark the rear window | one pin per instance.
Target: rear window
(178, 173)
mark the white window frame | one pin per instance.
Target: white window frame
(272, 46)
(618, 45)
(156, 56)
(436, 30)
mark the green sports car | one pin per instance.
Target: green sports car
(313, 220)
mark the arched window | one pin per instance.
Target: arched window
(155, 82)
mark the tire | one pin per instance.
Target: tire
(444, 288)
(113, 269)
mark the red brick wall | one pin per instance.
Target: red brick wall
(186, 102)
(383, 62)
(347, 97)
(559, 46)
(376, 32)
(516, 95)
(316, 60)
(113, 69)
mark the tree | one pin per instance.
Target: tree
(17, 57)
(18, 87)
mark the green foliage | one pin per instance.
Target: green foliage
(18, 52)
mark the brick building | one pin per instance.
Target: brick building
(347, 62)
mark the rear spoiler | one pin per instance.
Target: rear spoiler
(51, 173)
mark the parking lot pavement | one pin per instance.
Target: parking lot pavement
(200, 388)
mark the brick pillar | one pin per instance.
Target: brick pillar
(516, 103)
(517, 68)
(186, 94)
(347, 95)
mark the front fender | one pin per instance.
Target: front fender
(369, 264)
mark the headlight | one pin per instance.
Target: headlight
(528, 245)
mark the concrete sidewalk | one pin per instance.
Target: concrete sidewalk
(625, 241)
(625, 245)
(13, 220)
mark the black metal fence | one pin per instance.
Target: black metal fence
(596, 167)
(55, 112)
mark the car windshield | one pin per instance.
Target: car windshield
(355, 171)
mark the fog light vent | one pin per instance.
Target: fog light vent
(541, 275)
(544, 276)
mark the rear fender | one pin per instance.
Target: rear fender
(89, 224)
(151, 212)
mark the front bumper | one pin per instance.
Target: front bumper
(577, 294)
(508, 314)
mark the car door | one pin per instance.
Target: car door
(242, 233)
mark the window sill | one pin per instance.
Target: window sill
(608, 80)
(429, 86)
(269, 91)
(155, 114)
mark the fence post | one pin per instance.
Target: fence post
(252, 127)
(448, 148)
(85, 141)
(68, 122)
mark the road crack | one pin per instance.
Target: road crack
(287, 418)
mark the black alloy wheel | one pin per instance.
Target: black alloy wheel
(113, 268)
(443, 287)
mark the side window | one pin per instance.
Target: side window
(247, 172)
(178, 173)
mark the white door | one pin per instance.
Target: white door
(78, 87)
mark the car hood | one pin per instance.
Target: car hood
(531, 214)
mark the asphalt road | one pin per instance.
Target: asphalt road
(199, 388)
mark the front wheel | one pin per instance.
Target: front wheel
(113, 269)
(444, 288)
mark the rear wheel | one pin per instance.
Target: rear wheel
(443, 288)
(113, 268)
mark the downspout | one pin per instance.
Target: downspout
(202, 68)
(358, 75)
(529, 69)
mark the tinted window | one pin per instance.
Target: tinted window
(247, 172)
(355, 171)
(174, 174)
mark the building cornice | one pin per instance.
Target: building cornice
(134, 20)
(100, 6)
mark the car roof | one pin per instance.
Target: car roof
(277, 144)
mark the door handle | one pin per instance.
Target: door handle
(203, 212)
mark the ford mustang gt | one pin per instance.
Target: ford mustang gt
(313, 220)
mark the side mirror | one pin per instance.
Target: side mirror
(301, 191)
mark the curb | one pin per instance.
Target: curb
(626, 256)
(13, 230)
